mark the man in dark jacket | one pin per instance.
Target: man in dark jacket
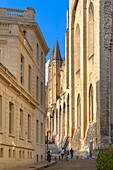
(71, 152)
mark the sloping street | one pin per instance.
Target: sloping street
(72, 164)
(86, 164)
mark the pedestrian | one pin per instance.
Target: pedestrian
(77, 154)
(71, 152)
(49, 153)
(62, 153)
(90, 154)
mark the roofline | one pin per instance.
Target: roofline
(42, 38)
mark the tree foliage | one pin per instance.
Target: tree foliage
(105, 159)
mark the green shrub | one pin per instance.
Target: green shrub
(105, 159)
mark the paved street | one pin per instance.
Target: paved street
(81, 164)
(86, 164)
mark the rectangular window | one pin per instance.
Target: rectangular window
(29, 127)
(1, 152)
(37, 86)
(41, 93)
(9, 153)
(13, 153)
(0, 113)
(41, 133)
(21, 124)
(29, 79)
(37, 131)
(22, 69)
(28, 154)
(23, 154)
(41, 59)
(11, 118)
(37, 52)
(19, 154)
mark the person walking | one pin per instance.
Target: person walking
(71, 152)
(62, 153)
(49, 153)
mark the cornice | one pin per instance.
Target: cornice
(24, 40)
(34, 26)
(16, 146)
(41, 38)
(29, 49)
(26, 45)
(12, 83)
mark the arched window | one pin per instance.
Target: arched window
(78, 111)
(77, 48)
(91, 30)
(91, 104)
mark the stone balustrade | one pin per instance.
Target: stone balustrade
(16, 13)
(27, 14)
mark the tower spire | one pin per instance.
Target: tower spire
(56, 55)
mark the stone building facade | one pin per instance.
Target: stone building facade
(82, 112)
(22, 85)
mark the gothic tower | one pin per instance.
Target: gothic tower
(54, 74)
(54, 83)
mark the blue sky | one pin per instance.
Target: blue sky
(51, 18)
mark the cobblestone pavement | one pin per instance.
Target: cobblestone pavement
(83, 164)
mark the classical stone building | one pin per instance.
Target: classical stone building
(82, 109)
(22, 85)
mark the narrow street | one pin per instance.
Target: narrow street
(80, 164)
(86, 164)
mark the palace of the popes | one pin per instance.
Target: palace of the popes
(79, 91)
(74, 109)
